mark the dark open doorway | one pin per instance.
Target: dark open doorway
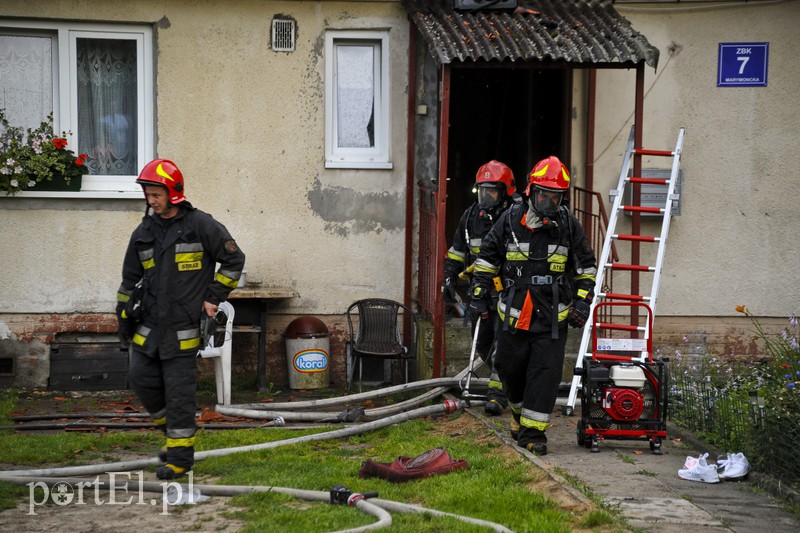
(515, 115)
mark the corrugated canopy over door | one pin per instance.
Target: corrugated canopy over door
(572, 31)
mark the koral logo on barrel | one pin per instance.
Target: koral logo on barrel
(310, 361)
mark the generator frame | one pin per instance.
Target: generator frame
(606, 354)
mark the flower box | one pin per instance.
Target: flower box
(38, 160)
(58, 183)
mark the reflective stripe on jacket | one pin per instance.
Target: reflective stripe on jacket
(180, 256)
(474, 224)
(542, 269)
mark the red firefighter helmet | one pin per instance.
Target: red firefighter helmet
(498, 173)
(549, 174)
(165, 173)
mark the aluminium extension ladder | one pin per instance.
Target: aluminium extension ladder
(605, 262)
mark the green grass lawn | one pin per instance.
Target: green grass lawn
(499, 485)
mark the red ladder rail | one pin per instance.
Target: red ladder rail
(619, 296)
(625, 266)
(651, 181)
(628, 237)
(642, 209)
(660, 153)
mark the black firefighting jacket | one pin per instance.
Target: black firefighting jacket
(542, 270)
(474, 224)
(177, 257)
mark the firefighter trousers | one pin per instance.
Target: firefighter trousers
(167, 389)
(530, 366)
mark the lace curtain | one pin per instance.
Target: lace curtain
(107, 120)
(26, 79)
(355, 96)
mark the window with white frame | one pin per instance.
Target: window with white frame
(97, 82)
(357, 99)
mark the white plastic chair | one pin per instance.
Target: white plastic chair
(222, 357)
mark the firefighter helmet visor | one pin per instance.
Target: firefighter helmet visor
(545, 202)
(490, 195)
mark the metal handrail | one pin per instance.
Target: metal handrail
(595, 224)
(589, 220)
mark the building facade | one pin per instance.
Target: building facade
(290, 121)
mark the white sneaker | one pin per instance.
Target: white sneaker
(700, 471)
(733, 468)
(691, 461)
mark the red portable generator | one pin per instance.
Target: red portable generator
(624, 391)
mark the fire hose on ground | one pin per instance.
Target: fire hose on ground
(369, 505)
(279, 413)
(376, 507)
(271, 411)
(442, 384)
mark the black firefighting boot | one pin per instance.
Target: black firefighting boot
(492, 408)
(179, 458)
(533, 439)
(178, 461)
(539, 448)
(170, 471)
(496, 399)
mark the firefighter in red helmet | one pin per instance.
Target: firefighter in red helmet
(548, 273)
(164, 173)
(496, 190)
(169, 282)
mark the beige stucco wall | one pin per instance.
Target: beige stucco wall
(246, 126)
(736, 240)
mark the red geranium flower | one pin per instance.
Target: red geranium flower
(59, 143)
(80, 160)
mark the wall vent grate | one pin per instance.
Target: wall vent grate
(283, 35)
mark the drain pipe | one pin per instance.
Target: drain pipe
(446, 407)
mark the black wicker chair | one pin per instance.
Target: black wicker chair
(377, 331)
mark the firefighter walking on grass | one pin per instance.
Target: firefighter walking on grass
(548, 274)
(496, 190)
(169, 281)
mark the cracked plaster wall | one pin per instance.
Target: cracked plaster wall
(246, 127)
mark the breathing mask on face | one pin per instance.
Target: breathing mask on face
(545, 202)
(489, 196)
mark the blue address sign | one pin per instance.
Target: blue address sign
(742, 64)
